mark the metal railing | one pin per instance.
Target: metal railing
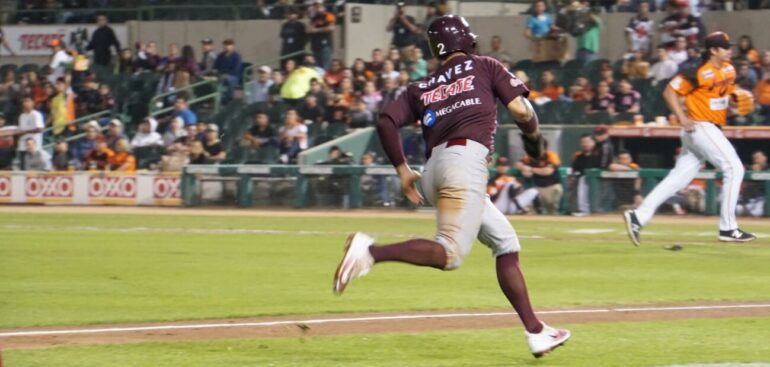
(156, 101)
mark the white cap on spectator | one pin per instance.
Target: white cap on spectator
(265, 69)
(116, 122)
(94, 124)
(213, 127)
(153, 122)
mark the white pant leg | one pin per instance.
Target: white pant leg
(583, 199)
(686, 168)
(714, 147)
(496, 231)
(454, 181)
(503, 201)
(756, 207)
(526, 198)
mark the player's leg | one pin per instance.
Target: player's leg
(684, 171)
(718, 151)
(497, 233)
(524, 200)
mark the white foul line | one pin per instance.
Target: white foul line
(370, 318)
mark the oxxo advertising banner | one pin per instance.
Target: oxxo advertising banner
(110, 188)
(29, 40)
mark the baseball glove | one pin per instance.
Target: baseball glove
(743, 101)
(535, 147)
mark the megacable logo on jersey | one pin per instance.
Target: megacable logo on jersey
(442, 92)
(429, 118)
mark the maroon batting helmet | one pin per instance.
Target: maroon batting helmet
(451, 33)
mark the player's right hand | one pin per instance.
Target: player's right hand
(687, 124)
(409, 180)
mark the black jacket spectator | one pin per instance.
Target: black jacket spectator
(101, 40)
(293, 36)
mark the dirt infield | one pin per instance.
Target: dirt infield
(370, 323)
(425, 213)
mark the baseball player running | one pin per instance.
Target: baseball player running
(457, 106)
(706, 92)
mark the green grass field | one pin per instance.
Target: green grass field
(70, 269)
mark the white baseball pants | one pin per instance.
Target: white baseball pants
(454, 181)
(707, 143)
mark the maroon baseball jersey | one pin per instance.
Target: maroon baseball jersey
(459, 100)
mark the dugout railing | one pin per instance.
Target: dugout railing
(348, 186)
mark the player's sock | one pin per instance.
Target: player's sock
(515, 288)
(417, 252)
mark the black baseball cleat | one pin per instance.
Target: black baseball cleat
(632, 226)
(736, 235)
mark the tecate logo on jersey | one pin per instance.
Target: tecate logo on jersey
(443, 92)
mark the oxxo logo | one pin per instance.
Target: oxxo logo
(165, 188)
(49, 187)
(112, 187)
(5, 186)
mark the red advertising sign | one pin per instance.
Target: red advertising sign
(49, 188)
(166, 188)
(5, 188)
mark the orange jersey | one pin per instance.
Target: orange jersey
(709, 99)
(119, 159)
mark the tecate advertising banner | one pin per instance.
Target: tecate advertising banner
(33, 40)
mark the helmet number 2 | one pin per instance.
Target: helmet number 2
(441, 49)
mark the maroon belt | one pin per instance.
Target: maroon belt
(456, 141)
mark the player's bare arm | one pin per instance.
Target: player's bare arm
(675, 105)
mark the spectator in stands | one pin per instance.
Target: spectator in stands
(627, 190)
(123, 160)
(213, 146)
(544, 172)
(496, 50)
(60, 60)
(333, 76)
(229, 65)
(34, 159)
(603, 100)
(147, 58)
(359, 115)
(181, 109)
(539, 25)
(606, 74)
(371, 97)
(82, 146)
(358, 74)
(317, 90)
(746, 51)
(191, 133)
(678, 53)
(752, 199)
(174, 132)
(375, 66)
(762, 95)
(549, 87)
(261, 134)
(640, 31)
(395, 57)
(388, 72)
(604, 147)
(292, 136)
(589, 40)
(198, 155)
(635, 67)
(586, 158)
(293, 35)
(106, 101)
(310, 62)
(99, 157)
(680, 24)
(31, 123)
(376, 189)
(146, 136)
(664, 68)
(201, 128)
(167, 83)
(87, 101)
(186, 63)
(208, 57)
(126, 63)
(405, 31)
(321, 30)
(259, 90)
(172, 57)
(627, 99)
(581, 91)
(7, 147)
(114, 133)
(274, 93)
(508, 195)
(62, 158)
(417, 66)
(61, 107)
(746, 77)
(389, 93)
(297, 84)
(310, 111)
(102, 40)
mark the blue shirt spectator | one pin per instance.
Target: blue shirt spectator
(229, 61)
(182, 111)
(539, 23)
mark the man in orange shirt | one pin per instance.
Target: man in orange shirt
(544, 173)
(707, 92)
(123, 160)
(762, 91)
(508, 195)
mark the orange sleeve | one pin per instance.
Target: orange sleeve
(633, 166)
(131, 160)
(553, 158)
(680, 85)
(330, 17)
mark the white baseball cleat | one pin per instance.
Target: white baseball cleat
(356, 263)
(546, 340)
